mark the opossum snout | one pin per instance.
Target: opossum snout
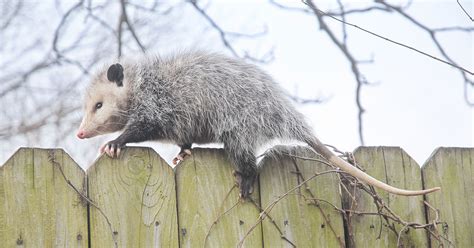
(81, 134)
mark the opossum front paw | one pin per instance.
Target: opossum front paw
(181, 156)
(245, 183)
(112, 148)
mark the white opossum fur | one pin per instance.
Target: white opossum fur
(200, 97)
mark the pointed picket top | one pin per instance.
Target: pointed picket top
(209, 209)
(134, 200)
(38, 204)
(302, 221)
(452, 169)
(395, 167)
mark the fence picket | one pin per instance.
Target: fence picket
(453, 170)
(37, 206)
(209, 210)
(136, 201)
(302, 221)
(395, 167)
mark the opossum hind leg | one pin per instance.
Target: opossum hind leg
(183, 153)
(245, 171)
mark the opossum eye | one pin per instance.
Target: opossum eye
(115, 74)
(98, 105)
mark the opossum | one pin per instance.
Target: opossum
(198, 97)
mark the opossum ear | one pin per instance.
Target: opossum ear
(115, 74)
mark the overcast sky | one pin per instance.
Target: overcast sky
(415, 103)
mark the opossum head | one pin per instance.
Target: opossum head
(106, 103)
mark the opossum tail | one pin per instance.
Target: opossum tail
(320, 148)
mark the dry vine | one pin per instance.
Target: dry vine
(83, 196)
(349, 185)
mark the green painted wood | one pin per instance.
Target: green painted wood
(205, 191)
(37, 206)
(300, 222)
(136, 194)
(395, 167)
(453, 170)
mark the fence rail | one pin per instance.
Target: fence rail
(138, 200)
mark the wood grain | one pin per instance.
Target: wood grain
(137, 197)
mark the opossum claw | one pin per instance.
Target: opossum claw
(112, 149)
(187, 151)
(181, 156)
(178, 159)
(245, 184)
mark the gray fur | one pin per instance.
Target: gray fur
(198, 97)
(206, 97)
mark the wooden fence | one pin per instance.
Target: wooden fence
(47, 200)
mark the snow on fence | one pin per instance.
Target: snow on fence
(47, 200)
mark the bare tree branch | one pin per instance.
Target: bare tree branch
(343, 26)
(356, 11)
(90, 13)
(448, 61)
(355, 69)
(299, 100)
(268, 57)
(281, 6)
(221, 32)
(17, 84)
(129, 25)
(342, 12)
(440, 48)
(153, 9)
(7, 19)
(465, 12)
(447, 29)
(61, 24)
(119, 35)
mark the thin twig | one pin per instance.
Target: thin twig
(465, 12)
(216, 27)
(270, 218)
(325, 217)
(312, 6)
(129, 25)
(62, 23)
(264, 213)
(119, 35)
(268, 57)
(208, 233)
(353, 62)
(56, 164)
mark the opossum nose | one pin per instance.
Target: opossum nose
(81, 134)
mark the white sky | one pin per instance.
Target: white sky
(417, 103)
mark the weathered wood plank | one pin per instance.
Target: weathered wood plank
(136, 194)
(37, 206)
(206, 191)
(453, 170)
(395, 167)
(303, 223)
